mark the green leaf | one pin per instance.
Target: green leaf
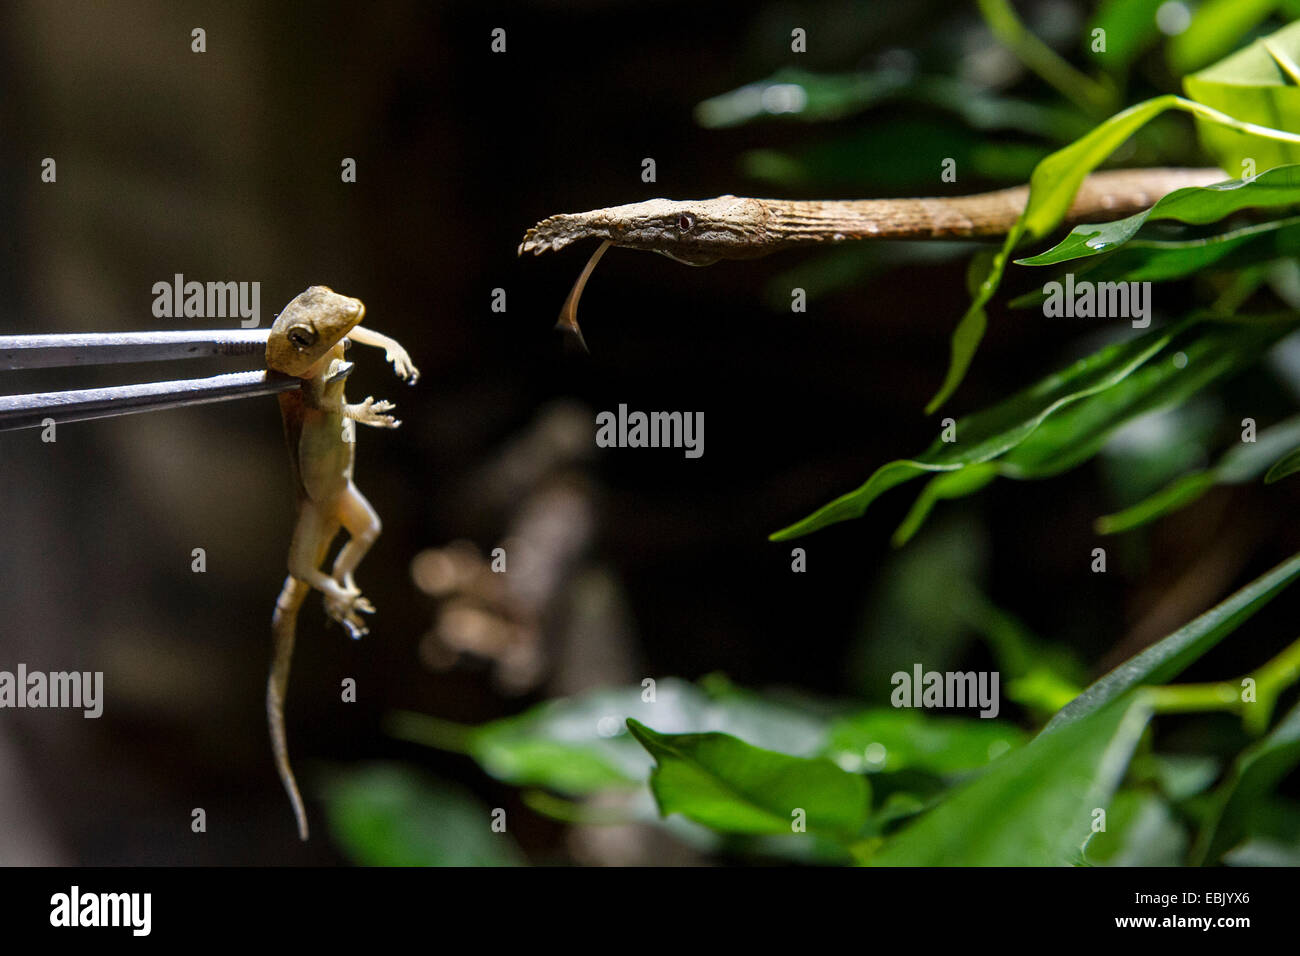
(1178, 494)
(879, 159)
(579, 745)
(1141, 830)
(1072, 429)
(1243, 462)
(1264, 853)
(384, 814)
(1251, 86)
(1033, 807)
(1208, 352)
(969, 333)
(1042, 688)
(1058, 177)
(1039, 675)
(986, 435)
(1254, 774)
(790, 94)
(1178, 776)
(1197, 205)
(812, 97)
(1215, 31)
(724, 783)
(1167, 658)
(897, 806)
(1272, 828)
(559, 765)
(887, 740)
(1151, 260)
(1150, 452)
(1130, 27)
(915, 608)
(1052, 186)
(1051, 190)
(1091, 95)
(1288, 464)
(952, 484)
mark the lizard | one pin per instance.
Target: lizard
(308, 340)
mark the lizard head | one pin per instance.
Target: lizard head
(312, 324)
(698, 232)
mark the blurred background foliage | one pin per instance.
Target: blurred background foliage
(483, 692)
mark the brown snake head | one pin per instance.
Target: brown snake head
(696, 232)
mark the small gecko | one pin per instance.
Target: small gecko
(308, 341)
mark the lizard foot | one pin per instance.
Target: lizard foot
(345, 612)
(370, 412)
(402, 364)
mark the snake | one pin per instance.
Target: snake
(706, 231)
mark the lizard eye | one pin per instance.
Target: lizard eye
(302, 336)
(685, 223)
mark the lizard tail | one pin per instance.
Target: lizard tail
(284, 624)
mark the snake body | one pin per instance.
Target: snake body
(701, 232)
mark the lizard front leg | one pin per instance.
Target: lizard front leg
(393, 351)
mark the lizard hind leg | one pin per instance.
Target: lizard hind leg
(363, 527)
(316, 529)
(284, 624)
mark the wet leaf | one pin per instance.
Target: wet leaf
(729, 785)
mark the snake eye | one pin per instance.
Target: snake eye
(685, 223)
(302, 336)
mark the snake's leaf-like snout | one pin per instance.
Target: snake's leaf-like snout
(556, 232)
(696, 232)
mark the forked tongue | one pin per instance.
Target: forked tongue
(569, 314)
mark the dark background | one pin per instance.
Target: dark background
(225, 166)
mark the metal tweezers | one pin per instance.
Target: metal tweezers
(105, 348)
